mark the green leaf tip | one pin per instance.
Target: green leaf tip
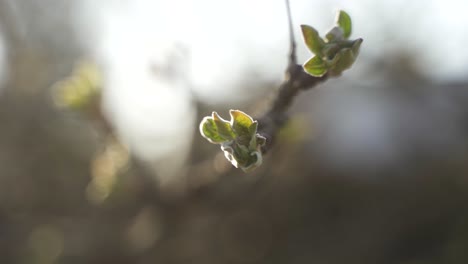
(312, 39)
(343, 20)
(238, 138)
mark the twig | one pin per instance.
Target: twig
(292, 40)
(296, 79)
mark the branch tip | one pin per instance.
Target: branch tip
(292, 41)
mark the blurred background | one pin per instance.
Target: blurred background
(371, 168)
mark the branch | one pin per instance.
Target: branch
(242, 139)
(292, 41)
(296, 79)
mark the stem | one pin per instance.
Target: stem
(292, 41)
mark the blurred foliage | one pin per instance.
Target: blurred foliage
(81, 89)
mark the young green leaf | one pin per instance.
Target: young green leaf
(255, 161)
(253, 129)
(343, 20)
(209, 130)
(346, 60)
(316, 67)
(224, 127)
(240, 122)
(216, 130)
(312, 39)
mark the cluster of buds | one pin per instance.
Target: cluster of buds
(333, 54)
(238, 138)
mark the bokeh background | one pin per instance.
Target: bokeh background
(371, 168)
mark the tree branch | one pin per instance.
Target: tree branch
(296, 79)
(292, 41)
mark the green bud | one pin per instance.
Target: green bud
(238, 138)
(336, 53)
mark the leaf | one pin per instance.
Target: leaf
(345, 61)
(316, 67)
(240, 154)
(343, 20)
(253, 129)
(254, 162)
(241, 122)
(223, 126)
(228, 153)
(216, 130)
(253, 136)
(209, 131)
(345, 58)
(312, 39)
